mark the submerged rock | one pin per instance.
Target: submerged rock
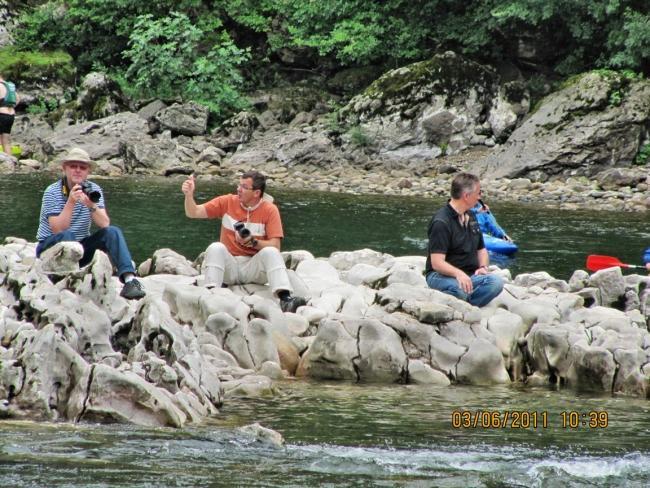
(263, 435)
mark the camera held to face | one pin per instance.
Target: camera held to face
(93, 195)
(240, 228)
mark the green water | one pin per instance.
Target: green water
(341, 434)
(150, 211)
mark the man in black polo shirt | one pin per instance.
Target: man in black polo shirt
(457, 261)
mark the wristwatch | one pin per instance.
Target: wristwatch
(93, 208)
(254, 243)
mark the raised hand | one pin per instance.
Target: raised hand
(188, 186)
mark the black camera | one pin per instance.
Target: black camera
(243, 232)
(93, 195)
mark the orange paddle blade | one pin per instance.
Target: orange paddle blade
(596, 262)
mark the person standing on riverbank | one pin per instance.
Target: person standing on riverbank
(8, 101)
(457, 261)
(251, 234)
(69, 207)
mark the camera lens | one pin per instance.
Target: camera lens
(93, 195)
(241, 230)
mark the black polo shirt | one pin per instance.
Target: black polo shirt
(460, 244)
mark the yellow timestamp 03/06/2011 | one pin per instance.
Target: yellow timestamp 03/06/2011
(499, 419)
(528, 419)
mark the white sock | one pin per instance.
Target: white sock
(128, 277)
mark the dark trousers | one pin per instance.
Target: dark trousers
(109, 239)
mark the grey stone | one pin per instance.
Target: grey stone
(423, 374)
(576, 131)
(62, 258)
(189, 118)
(482, 364)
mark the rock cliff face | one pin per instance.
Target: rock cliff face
(598, 122)
(438, 106)
(71, 348)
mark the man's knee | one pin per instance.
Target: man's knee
(216, 248)
(489, 287)
(66, 235)
(495, 282)
(215, 254)
(111, 232)
(446, 285)
(271, 258)
(270, 251)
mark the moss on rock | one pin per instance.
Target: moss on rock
(446, 74)
(29, 66)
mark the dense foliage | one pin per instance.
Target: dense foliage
(169, 57)
(196, 48)
(28, 65)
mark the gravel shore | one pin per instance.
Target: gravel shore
(571, 193)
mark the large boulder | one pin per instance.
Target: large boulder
(190, 119)
(433, 107)
(101, 138)
(596, 122)
(611, 284)
(482, 364)
(332, 354)
(123, 396)
(297, 147)
(592, 368)
(51, 392)
(99, 97)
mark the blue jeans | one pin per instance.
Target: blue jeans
(109, 239)
(485, 287)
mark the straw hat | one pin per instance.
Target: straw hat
(78, 155)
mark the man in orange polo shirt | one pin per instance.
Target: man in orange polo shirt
(248, 256)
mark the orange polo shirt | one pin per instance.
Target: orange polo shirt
(263, 221)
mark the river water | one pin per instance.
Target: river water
(150, 211)
(342, 434)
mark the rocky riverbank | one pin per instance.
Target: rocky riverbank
(613, 192)
(625, 190)
(72, 348)
(406, 134)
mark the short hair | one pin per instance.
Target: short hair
(259, 180)
(463, 183)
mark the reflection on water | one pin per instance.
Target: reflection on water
(151, 213)
(341, 434)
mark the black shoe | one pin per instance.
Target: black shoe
(291, 304)
(132, 290)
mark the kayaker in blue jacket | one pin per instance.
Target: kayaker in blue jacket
(487, 223)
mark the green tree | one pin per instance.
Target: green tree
(170, 57)
(566, 36)
(576, 35)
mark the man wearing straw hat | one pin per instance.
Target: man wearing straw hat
(69, 206)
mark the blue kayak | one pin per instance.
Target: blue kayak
(499, 246)
(646, 255)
